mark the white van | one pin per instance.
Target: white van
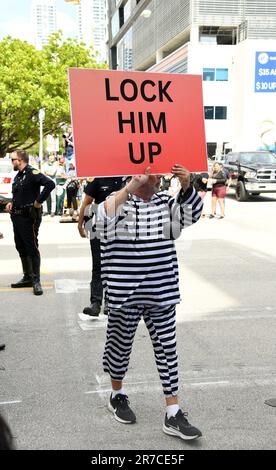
(7, 175)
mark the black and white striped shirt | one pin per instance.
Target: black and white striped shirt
(139, 262)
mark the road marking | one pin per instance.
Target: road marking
(95, 325)
(229, 317)
(219, 382)
(239, 375)
(229, 314)
(98, 379)
(107, 390)
(10, 402)
(157, 382)
(87, 323)
(135, 387)
(91, 323)
(125, 383)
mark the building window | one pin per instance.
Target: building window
(124, 52)
(215, 112)
(127, 10)
(209, 112)
(220, 112)
(115, 25)
(209, 74)
(220, 35)
(211, 149)
(220, 75)
(121, 16)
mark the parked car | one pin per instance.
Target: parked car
(217, 158)
(7, 175)
(251, 173)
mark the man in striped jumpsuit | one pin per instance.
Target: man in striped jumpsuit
(140, 274)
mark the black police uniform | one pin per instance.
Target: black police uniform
(98, 189)
(26, 220)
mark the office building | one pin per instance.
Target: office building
(231, 43)
(44, 21)
(92, 25)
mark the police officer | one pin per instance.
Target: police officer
(96, 191)
(26, 212)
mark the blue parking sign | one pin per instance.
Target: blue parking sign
(265, 72)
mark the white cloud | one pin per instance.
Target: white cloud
(23, 29)
(19, 28)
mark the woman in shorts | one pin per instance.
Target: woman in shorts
(219, 190)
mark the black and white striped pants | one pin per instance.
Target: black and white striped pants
(121, 328)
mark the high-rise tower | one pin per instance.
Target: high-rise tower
(44, 20)
(93, 24)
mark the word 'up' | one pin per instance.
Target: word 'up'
(142, 122)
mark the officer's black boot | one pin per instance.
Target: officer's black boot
(36, 276)
(26, 280)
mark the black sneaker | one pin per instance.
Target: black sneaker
(119, 406)
(179, 426)
(93, 310)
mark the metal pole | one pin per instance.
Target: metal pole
(40, 142)
(41, 116)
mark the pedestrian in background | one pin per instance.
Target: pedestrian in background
(49, 168)
(140, 272)
(72, 187)
(165, 183)
(218, 178)
(26, 211)
(96, 191)
(68, 147)
(60, 182)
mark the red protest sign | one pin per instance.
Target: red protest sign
(124, 122)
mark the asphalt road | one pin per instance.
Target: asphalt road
(53, 391)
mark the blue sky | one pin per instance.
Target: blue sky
(15, 18)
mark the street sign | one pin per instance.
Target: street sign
(265, 72)
(124, 122)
